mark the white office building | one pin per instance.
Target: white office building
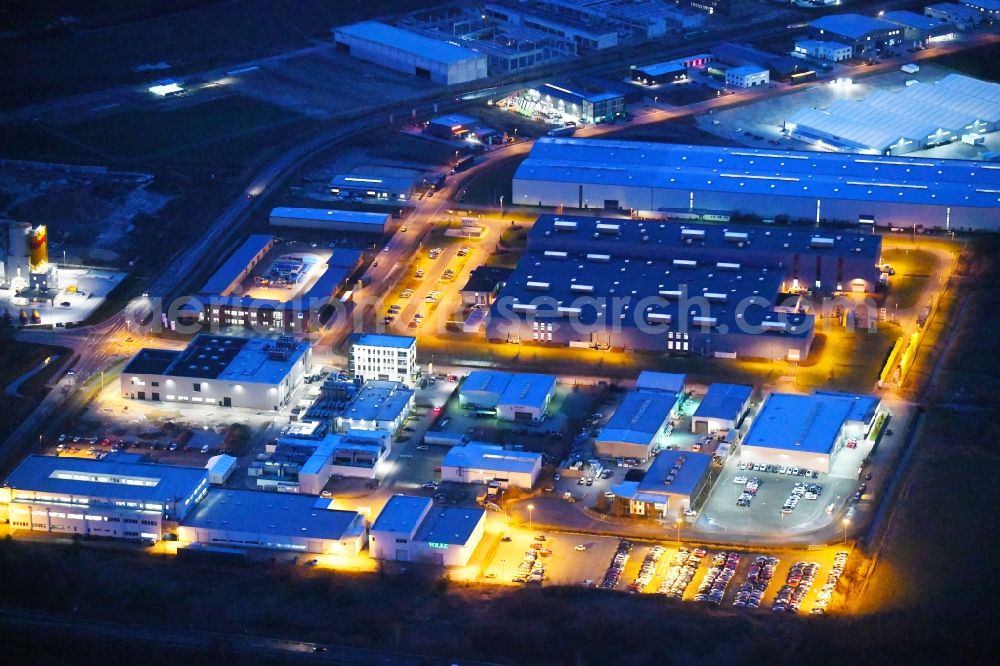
(100, 498)
(379, 405)
(252, 373)
(747, 76)
(383, 357)
(823, 50)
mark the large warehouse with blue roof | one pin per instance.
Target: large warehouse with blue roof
(658, 179)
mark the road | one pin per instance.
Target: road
(257, 646)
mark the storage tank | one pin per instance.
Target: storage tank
(17, 247)
(38, 242)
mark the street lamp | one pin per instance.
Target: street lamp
(531, 507)
(846, 522)
(678, 524)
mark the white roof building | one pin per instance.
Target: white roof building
(477, 462)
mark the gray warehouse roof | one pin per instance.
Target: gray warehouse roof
(280, 514)
(237, 262)
(723, 401)
(873, 178)
(527, 390)
(383, 340)
(476, 455)
(687, 470)
(331, 215)
(411, 42)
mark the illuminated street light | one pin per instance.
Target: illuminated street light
(846, 522)
(531, 507)
(678, 524)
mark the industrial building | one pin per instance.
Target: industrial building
(806, 431)
(514, 396)
(640, 284)
(865, 35)
(269, 287)
(222, 371)
(592, 35)
(722, 408)
(675, 482)
(275, 521)
(220, 468)
(484, 283)
(747, 76)
(379, 405)
(669, 382)
(989, 9)
(589, 107)
(918, 30)
(670, 71)
(823, 50)
(659, 179)
(305, 464)
(638, 426)
(24, 262)
(383, 357)
(438, 60)
(412, 529)
(365, 186)
(919, 116)
(960, 16)
(331, 220)
(100, 498)
(477, 462)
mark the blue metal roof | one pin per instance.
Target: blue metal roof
(402, 513)
(854, 26)
(280, 514)
(639, 418)
(452, 525)
(672, 382)
(864, 406)
(487, 381)
(332, 215)
(875, 178)
(477, 455)
(410, 42)
(106, 478)
(528, 390)
(809, 423)
(384, 340)
(723, 401)
(913, 20)
(688, 470)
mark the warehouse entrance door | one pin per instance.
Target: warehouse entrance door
(142, 395)
(156, 397)
(523, 416)
(227, 402)
(422, 73)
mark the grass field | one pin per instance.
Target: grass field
(488, 187)
(144, 134)
(17, 358)
(213, 35)
(30, 142)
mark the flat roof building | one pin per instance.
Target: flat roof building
(383, 357)
(514, 396)
(674, 482)
(665, 179)
(326, 219)
(251, 373)
(590, 107)
(379, 405)
(722, 408)
(638, 426)
(747, 76)
(483, 285)
(477, 462)
(411, 529)
(804, 431)
(671, 382)
(276, 521)
(960, 16)
(439, 60)
(897, 122)
(104, 498)
(824, 50)
(865, 35)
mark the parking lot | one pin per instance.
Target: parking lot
(586, 560)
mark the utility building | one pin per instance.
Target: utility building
(865, 35)
(722, 408)
(331, 220)
(477, 462)
(674, 483)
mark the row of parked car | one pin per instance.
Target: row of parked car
(713, 585)
(751, 486)
(683, 566)
(647, 570)
(800, 578)
(826, 592)
(531, 569)
(800, 490)
(617, 566)
(759, 577)
(778, 469)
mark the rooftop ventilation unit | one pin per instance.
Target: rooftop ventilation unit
(685, 263)
(607, 228)
(819, 241)
(724, 266)
(692, 233)
(603, 258)
(736, 236)
(556, 254)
